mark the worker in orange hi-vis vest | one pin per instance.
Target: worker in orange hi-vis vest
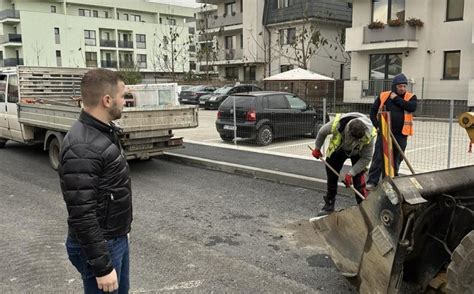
(401, 105)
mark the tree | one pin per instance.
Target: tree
(169, 49)
(130, 74)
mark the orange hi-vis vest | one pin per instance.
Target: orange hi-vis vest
(408, 117)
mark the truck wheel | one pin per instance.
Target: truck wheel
(264, 135)
(53, 153)
(461, 268)
(2, 142)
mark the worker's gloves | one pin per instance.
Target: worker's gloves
(348, 180)
(317, 153)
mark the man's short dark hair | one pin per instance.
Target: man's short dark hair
(357, 129)
(97, 83)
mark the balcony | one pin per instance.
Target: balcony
(230, 56)
(216, 21)
(205, 38)
(11, 40)
(11, 62)
(108, 43)
(108, 63)
(125, 44)
(9, 16)
(126, 64)
(365, 39)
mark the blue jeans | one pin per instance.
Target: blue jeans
(119, 253)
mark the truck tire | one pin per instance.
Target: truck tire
(460, 274)
(53, 152)
(2, 142)
(264, 135)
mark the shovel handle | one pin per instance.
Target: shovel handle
(339, 176)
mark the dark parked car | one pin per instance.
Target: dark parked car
(220, 91)
(191, 95)
(214, 101)
(263, 116)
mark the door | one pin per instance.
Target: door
(302, 119)
(276, 109)
(12, 108)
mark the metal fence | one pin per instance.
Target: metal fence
(287, 126)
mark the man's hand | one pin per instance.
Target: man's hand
(393, 95)
(108, 283)
(348, 180)
(317, 153)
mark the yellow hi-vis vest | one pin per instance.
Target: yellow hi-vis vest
(336, 139)
(408, 116)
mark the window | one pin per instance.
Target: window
(284, 3)
(192, 65)
(141, 41)
(58, 58)
(106, 14)
(385, 66)
(455, 10)
(12, 96)
(57, 38)
(242, 41)
(285, 67)
(250, 73)
(165, 59)
(384, 10)
(287, 36)
(118, 15)
(89, 38)
(192, 48)
(137, 18)
(125, 16)
(452, 63)
(231, 73)
(141, 60)
(95, 13)
(229, 42)
(171, 21)
(85, 12)
(53, 9)
(229, 8)
(165, 42)
(91, 59)
(295, 102)
(275, 102)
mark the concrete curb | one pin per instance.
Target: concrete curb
(254, 172)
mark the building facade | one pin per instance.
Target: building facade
(430, 41)
(291, 25)
(85, 33)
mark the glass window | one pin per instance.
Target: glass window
(455, 10)
(384, 10)
(3, 86)
(452, 63)
(284, 3)
(240, 101)
(12, 89)
(95, 13)
(171, 21)
(57, 38)
(91, 59)
(141, 60)
(125, 16)
(229, 44)
(385, 66)
(141, 41)
(291, 36)
(106, 14)
(137, 18)
(229, 8)
(58, 58)
(89, 38)
(295, 102)
(53, 9)
(397, 10)
(276, 102)
(284, 68)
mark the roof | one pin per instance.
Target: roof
(298, 74)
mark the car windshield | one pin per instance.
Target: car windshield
(222, 90)
(240, 101)
(196, 89)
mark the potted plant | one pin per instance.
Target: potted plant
(395, 22)
(415, 22)
(376, 25)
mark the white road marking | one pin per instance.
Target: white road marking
(179, 286)
(424, 148)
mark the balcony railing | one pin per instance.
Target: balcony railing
(217, 21)
(126, 64)
(232, 54)
(91, 63)
(205, 38)
(389, 34)
(108, 43)
(11, 62)
(108, 63)
(10, 38)
(372, 88)
(125, 44)
(9, 13)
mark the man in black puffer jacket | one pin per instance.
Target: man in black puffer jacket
(96, 187)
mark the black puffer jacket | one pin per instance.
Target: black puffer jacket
(95, 182)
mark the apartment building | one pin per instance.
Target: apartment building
(86, 33)
(289, 46)
(431, 41)
(233, 31)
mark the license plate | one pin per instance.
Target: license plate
(184, 99)
(213, 99)
(227, 127)
(136, 147)
(202, 102)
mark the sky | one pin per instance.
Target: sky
(189, 3)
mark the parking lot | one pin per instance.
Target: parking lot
(427, 150)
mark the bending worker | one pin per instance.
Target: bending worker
(353, 136)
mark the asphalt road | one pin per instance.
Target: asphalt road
(194, 230)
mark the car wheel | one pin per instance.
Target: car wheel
(264, 135)
(226, 139)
